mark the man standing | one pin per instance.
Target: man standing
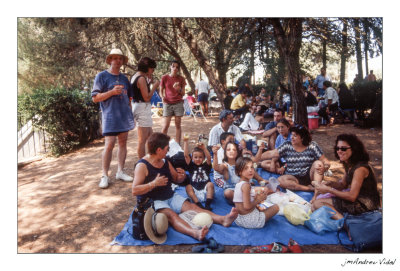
(225, 125)
(172, 91)
(202, 92)
(331, 99)
(371, 76)
(112, 90)
(319, 81)
(271, 132)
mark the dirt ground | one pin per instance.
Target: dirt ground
(61, 209)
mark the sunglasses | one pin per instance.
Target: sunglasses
(342, 148)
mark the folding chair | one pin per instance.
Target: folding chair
(196, 109)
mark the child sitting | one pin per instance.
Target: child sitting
(247, 198)
(227, 168)
(200, 189)
(224, 138)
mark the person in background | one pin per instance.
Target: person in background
(346, 100)
(331, 99)
(112, 90)
(141, 100)
(172, 91)
(228, 99)
(371, 76)
(271, 131)
(225, 125)
(239, 103)
(202, 90)
(319, 81)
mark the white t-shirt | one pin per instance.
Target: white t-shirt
(202, 87)
(217, 130)
(331, 94)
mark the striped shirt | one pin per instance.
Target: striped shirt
(298, 163)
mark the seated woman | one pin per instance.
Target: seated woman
(279, 165)
(153, 179)
(363, 195)
(304, 158)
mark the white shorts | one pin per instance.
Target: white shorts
(253, 220)
(142, 114)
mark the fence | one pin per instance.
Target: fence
(31, 143)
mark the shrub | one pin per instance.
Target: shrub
(368, 96)
(69, 117)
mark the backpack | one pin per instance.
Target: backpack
(138, 213)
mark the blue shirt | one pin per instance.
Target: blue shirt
(280, 140)
(320, 80)
(116, 111)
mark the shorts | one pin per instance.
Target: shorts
(304, 180)
(361, 205)
(113, 133)
(170, 110)
(253, 220)
(174, 203)
(201, 194)
(142, 114)
(203, 97)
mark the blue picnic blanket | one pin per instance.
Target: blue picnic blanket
(277, 229)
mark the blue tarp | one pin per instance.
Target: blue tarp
(277, 229)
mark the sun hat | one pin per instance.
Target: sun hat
(155, 226)
(116, 52)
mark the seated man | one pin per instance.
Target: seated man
(271, 132)
(238, 104)
(225, 125)
(153, 179)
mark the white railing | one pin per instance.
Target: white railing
(31, 143)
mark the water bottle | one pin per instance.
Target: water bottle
(273, 183)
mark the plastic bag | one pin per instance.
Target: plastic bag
(295, 214)
(321, 221)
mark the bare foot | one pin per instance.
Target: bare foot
(201, 234)
(229, 218)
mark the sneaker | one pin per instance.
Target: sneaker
(103, 182)
(122, 176)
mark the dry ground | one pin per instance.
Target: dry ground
(62, 210)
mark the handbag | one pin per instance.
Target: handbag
(364, 230)
(138, 214)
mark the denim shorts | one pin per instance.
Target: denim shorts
(174, 203)
(203, 97)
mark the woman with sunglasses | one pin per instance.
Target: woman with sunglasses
(359, 177)
(305, 161)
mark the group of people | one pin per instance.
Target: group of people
(291, 153)
(125, 103)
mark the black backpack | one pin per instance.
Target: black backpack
(138, 213)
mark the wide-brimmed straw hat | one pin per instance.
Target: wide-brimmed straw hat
(155, 226)
(116, 52)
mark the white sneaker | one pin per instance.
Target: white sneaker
(122, 176)
(103, 182)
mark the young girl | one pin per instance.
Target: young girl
(200, 189)
(275, 165)
(246, 198)
(231, 154)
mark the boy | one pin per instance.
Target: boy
(200, 189)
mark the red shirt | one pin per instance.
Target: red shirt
(172, 96)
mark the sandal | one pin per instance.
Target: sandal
(275, 247)
(209, 246)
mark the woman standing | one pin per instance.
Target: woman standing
(172, 91)
(363, 195)
(141, 100)
(304, 158)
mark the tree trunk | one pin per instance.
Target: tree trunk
(358, 47)
(324, 53)
(201, 59)
(289, 44)
(343, 54)
(366, 43)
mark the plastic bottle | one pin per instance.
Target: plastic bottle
(273, 183)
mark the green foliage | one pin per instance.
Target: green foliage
(69, 117)
(368, 96)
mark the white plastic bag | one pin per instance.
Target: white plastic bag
(174, 148)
